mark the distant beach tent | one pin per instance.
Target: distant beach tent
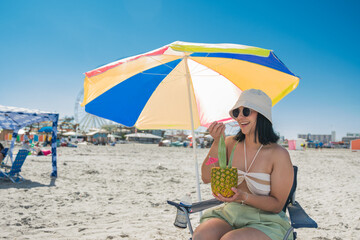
(71, 133)
(355, 145)
(143, 138)
(14, 118)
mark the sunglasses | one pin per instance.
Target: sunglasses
(245, 112)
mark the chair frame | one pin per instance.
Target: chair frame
(298, 216)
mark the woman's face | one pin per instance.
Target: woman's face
(247, 124)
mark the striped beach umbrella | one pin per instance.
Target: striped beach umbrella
(183, 85)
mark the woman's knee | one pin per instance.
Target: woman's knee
(205, 234)
(245, 234)
(201, 235)
(212, 229)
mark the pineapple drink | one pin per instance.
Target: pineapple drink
(224, 177)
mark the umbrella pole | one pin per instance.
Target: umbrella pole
(188, 78)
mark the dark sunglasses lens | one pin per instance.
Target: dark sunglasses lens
(246, 112)
(236, 112)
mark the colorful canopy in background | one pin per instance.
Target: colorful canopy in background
(154, 90)
(15, 118)
(46, 129)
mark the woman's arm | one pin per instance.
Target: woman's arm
(281, 179)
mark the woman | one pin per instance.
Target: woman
(265, 176)
(38, 152)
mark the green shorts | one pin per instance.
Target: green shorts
(274, 225)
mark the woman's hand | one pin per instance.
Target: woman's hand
(216, 130)
(235, 198)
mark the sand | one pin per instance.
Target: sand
(120, 192)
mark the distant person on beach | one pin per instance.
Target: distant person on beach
(26, 145)
(26, 136)
(201, 140)
(39, 152)
(303, 146)
(265, 176)
(46, 141)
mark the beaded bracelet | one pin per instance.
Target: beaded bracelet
(243, 201)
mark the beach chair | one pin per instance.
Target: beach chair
(14, 172)
(298, 216)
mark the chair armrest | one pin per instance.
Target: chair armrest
(179, 206)
(198, 206)
(3, 165)
(299, 218)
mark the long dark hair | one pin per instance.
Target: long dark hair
(264, 132)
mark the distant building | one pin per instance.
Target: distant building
(304, 136)
(159, 133)
(333, 136)
(324, 138)
(349, 137)
(97, 137)
(357, 135)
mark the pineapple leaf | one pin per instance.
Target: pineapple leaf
(232, 156)
(222, 153)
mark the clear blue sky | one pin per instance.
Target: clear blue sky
(47, 45)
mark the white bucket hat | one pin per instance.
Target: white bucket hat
(254, 99)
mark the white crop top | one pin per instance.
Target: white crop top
(258, 183)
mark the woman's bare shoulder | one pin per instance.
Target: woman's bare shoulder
(278, 152)
(281, 162)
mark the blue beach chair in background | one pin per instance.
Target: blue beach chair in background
(14, 172)
(298, 216)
